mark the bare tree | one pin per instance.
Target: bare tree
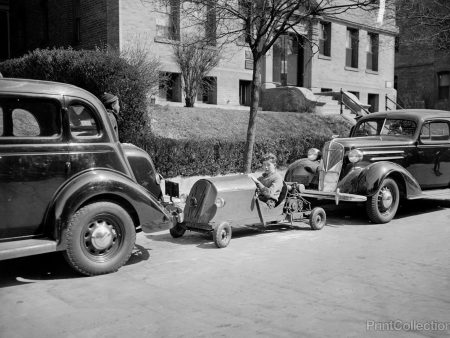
(259, 24)
(424, 22)
(196, 59)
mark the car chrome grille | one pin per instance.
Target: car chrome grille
(331, 166)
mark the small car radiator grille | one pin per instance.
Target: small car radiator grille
(200, 203)
(331, 165)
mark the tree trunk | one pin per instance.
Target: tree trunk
(189, 102)
(254, 103)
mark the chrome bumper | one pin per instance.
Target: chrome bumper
(337, 196)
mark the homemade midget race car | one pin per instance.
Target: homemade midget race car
(216, 205)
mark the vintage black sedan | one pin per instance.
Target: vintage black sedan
(388, 156)
(67, 183)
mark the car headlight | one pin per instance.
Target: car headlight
(355, 155)
(313, 154)
(220, 202)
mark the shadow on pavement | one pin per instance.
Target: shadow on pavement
(354, 214)
(138, 255)
(49, 266)
(31, 269)
(205, 240)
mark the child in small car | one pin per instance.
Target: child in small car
(270, 183)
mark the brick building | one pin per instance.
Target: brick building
(349, 51)
(422, 74)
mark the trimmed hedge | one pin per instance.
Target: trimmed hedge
(96, 71)
(188, 157)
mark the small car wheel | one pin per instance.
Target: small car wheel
(317, 219)
(100, 238)
(177, 231)
(222, 235)
(382, 206)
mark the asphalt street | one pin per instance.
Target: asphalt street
(351, 279)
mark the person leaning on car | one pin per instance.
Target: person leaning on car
(270, 182)
(111, 103)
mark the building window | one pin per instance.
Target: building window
(245, 92)
(245, 6)
(372, 100)
(248, 60)
(444, 85)
(76, 23)
(4, 35)
(211, 23)
(168, 20)
(325, 38)
(352, 46)
(288, 60)
(372, 52)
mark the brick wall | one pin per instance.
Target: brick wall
(51, 23)
(417, 66)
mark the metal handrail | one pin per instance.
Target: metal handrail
(348, 97)
(387, 98)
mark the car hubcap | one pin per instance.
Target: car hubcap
(386, 198)
(223, 234)
(318, 219)
(100, 235)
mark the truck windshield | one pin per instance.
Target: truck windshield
(392, 127)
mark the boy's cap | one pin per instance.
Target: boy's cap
(108, 98)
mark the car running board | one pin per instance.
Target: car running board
(438, 193)
(26, 247)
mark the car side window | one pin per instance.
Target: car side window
(435, 132)
(82, 121)
(30, 118)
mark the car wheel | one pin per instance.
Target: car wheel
(317, 219)
(382, 206)
(100, 238)
(222, 235)
(177, 231)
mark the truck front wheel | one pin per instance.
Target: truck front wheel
(383, 205)
(100, 238)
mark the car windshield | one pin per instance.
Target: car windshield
(393, 127)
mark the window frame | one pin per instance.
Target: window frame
(96, 116)
(325, 38)
(372, 51)
(11, 139)
(352, 52)
(430, 140)
(443, 92)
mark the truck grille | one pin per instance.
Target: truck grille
(330, 166)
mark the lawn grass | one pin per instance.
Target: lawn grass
(217, 123)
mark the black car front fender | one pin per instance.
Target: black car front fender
(365, 180)
(106, 184)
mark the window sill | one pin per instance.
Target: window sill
(324, 57)
(351, 69)
(165, 40)
(370, 71)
